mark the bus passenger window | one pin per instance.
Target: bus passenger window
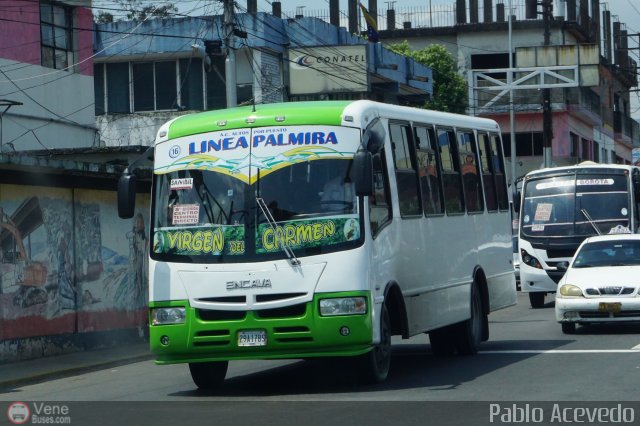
(428, 170)
(451, 171)
(488, 178)
(470, 171)
(498, 163)
(406, 172)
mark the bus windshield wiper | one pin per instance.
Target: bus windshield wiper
(588, 216)
(285, 245)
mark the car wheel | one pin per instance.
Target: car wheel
(208, 375)
(536, 299)
(374, 365)
(568, 327)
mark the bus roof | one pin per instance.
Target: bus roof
(324, 113)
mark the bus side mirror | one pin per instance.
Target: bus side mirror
(363, 172)
(636, 187)
(126, 196)
(516, 201)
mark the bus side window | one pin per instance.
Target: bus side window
(406, 171)
(379, 203)
(429, 170)
(498, 167)
(450, 171)
(470, 171)
(488, 178)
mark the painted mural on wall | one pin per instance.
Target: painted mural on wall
(68, 264)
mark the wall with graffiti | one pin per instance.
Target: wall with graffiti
(68, 266)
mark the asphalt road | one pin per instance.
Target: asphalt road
(527, 359)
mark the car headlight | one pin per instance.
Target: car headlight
(161, 316)
(343, 306)
(570, 290)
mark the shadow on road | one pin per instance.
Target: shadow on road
(413, 366)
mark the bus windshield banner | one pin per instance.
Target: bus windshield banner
(307, 233)
(200, 240)
(242, 152)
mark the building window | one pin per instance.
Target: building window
(191, 84)
(154, 86)
(118, 87)
(55, 32)
(586, 150)
(575, 148)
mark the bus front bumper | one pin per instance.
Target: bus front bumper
(291, 332)
(534, 279)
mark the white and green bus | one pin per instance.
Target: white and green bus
(321, 229)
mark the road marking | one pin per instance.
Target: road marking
(635, 349)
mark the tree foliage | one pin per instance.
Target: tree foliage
(449, 88)
(137, 10)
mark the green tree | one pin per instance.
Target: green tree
(137, 10)
(449, 88)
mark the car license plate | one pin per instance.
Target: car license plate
(610, 307)
(252, 338)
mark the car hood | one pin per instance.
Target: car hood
(599, 276)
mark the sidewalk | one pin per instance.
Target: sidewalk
(16, 373)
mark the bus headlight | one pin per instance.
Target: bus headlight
(343, 306)
(161, 316)
(570, 290)
(527, 259)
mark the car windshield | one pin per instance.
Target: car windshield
(574, 205)
(608, 253)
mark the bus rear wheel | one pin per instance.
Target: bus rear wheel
(374, 365)
(536, 298)
(208, 375)
(469, 333)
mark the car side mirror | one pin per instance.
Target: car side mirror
(562, 266)
(126, 196)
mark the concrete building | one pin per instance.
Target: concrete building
(176, 66)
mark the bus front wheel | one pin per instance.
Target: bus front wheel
(208, 375)
(536, 298)
(374, 365)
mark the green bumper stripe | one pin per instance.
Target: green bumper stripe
(291, 333)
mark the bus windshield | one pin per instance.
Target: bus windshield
(574, 205)
(209, 214)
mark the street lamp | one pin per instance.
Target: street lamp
(5, 104)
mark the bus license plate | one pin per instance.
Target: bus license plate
(610, 307)
(252, 338)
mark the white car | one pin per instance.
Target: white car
(600, 283)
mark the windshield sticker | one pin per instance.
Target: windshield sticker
(241, 153)
(543, 212)
(624, 211)
(526, 218)
(307, 233)
(537, 227)
(196, 241)
(594, 182)
(185, 214)
(555, 184)
(185, 183)
(619, 229)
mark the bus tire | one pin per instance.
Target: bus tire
(536, 298)
(374, 365)
(568, 327)
(208, 375)
(469, 333)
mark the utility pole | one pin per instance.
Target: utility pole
(230, 62)
(547, 114)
